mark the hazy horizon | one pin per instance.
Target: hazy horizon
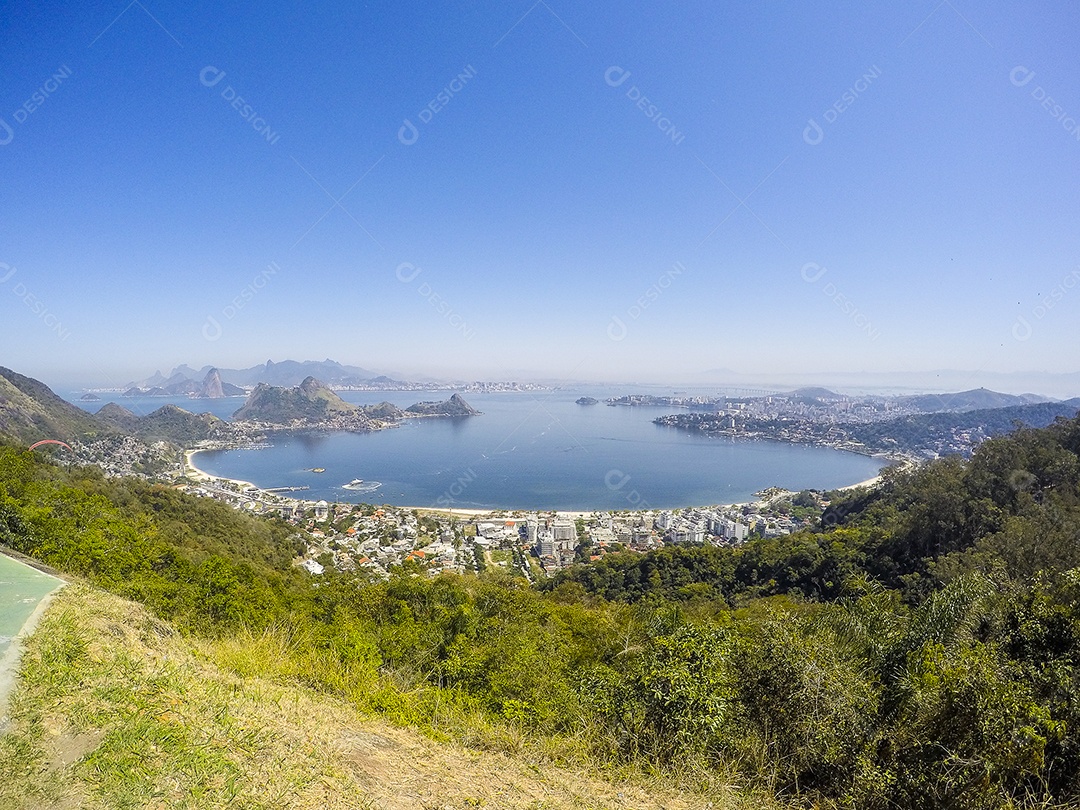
(1058, 386)
(540, 191)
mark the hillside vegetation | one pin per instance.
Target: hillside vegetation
(918, 650)
(30, 411)
(116, 710)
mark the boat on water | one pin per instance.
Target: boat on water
(360, 485)
(318, 469)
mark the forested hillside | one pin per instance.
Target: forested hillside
(918, 649)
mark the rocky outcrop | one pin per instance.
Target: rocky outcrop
(455, 406)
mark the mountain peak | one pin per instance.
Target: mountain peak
(211, 385)
(311, 402)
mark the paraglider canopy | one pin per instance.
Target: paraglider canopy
(50, 441)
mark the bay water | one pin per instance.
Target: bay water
(527, 450)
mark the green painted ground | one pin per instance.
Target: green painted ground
(21, 588)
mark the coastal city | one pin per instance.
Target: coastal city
(534, 544)
(530, 544)
(898, 429)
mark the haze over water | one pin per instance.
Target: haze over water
(529, 450)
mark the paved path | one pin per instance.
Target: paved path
(23, 596)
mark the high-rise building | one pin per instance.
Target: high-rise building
(545, 543)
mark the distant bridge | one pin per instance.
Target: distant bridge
(737, 393)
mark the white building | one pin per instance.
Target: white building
(312, 567)
(564, 530)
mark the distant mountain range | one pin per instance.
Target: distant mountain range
(1063, 385)
(185, 380)
(977, 399)
(179, 385)
(29, 411)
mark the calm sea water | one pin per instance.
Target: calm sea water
(536, 450)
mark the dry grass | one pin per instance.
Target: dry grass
(114, 710)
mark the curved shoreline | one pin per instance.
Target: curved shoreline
(869, 482)
(192, 471)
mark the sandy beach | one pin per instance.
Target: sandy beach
(903, 463)
(869, 482)
(191, 471)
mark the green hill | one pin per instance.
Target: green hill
(386, 411)
(118, 417)
(30, 411)
(310, 402)
(174, 424)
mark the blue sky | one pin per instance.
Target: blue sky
(610, 192)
